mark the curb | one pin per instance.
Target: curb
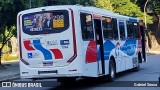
(153, 52)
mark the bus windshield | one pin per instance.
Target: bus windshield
(47, 21)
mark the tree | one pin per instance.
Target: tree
(106, 4)
(37, 3)
(67, 2)
(156, 10)
(134, 1)
(8, 13)
(141, 4)
(7, 24)
(126, 7)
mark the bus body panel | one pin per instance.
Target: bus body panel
(90, 59)
(72, 70)
(59, 48)
(48, 53)
(47, 49)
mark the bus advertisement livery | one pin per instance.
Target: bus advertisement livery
(71, 41)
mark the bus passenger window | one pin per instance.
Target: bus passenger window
(87, 26)
(132, 30)
(122, 30)
(130, 33)
(136, 30)
(115, 29)
(107, 28)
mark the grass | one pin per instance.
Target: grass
(3, 61)
(9, 57)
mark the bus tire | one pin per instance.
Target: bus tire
(66, 80)
(112, 71)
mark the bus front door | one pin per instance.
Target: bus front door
(99, 40)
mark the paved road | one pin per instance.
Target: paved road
(149, 72)
(9, 70)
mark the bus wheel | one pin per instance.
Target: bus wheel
(112, 71)
(66, 80)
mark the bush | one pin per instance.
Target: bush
(8, 57)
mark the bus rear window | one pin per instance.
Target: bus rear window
(45, 22)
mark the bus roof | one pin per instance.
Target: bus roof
(84, 8)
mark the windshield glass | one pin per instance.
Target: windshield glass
(48, 21)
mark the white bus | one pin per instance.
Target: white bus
(71, 41)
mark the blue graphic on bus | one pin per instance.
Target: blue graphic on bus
(64, 42)
(128, 48)
(46, 53)
(29, 55)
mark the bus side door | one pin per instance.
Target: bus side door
(123, 47)
(99, 41)
(89, 45)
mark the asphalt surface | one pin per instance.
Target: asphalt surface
(149, 71)
(9, 71)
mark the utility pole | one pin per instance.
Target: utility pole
(145, 20)
(145, 13)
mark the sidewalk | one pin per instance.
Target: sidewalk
(154, 52)
(9, 71)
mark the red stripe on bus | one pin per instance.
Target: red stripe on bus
(57, 53)
(74, 39)
(20, 46)
(27, 45)
(91, 53)
(20, 49)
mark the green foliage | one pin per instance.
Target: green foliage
(68, 2)
(126, 7)
(10, 31)
(36, 3)
(9, 57)
(106, 4)
(5, 36)
(134, 1)
(5, 49)
(156, 6)
(7, 13)
(141, 4)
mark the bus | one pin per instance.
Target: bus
(67, 42)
